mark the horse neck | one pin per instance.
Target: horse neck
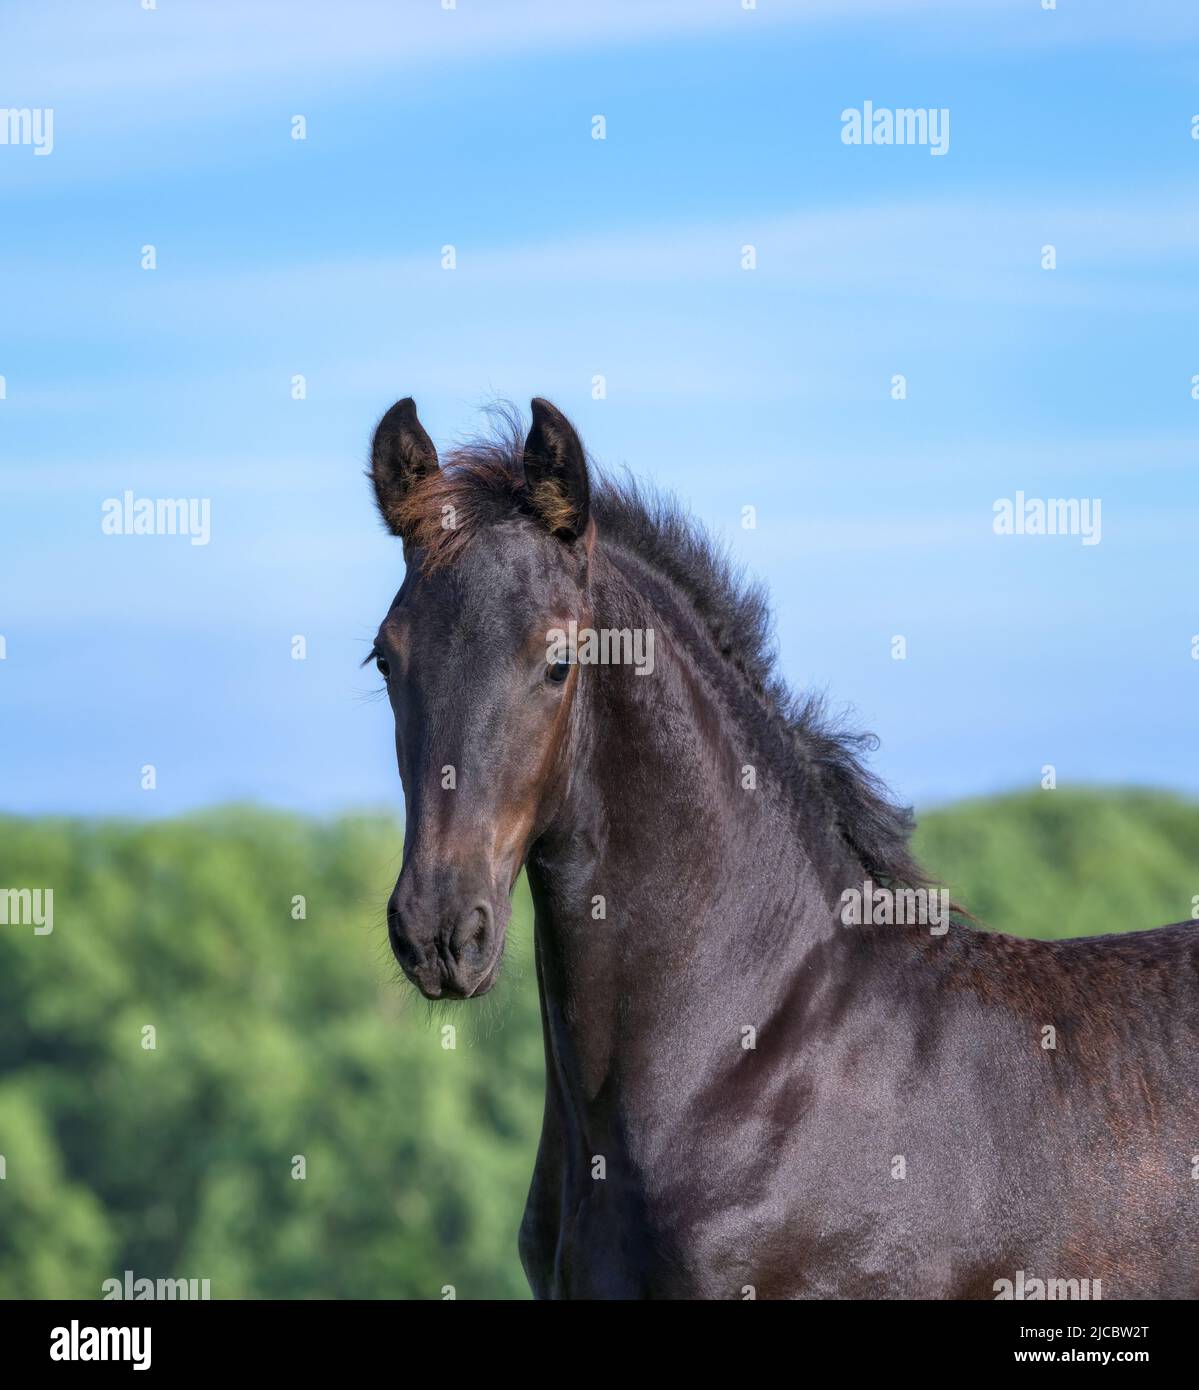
(677, 894)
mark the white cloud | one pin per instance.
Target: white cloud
(209, 47)
(195, 43)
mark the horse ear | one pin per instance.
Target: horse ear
(401, 452)
(556, 472)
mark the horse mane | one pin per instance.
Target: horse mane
(482, 480)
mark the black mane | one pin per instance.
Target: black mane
(487, 475)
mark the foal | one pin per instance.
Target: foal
(745, 1095)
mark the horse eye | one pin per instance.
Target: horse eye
(384, 669)
(557, 672)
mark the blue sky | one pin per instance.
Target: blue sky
(621, 258)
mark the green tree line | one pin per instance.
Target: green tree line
(210, 1068)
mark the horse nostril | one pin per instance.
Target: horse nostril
(473, 935)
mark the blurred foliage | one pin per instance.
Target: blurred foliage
(277, 1038)
(1067, 863)
(274, 1038)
